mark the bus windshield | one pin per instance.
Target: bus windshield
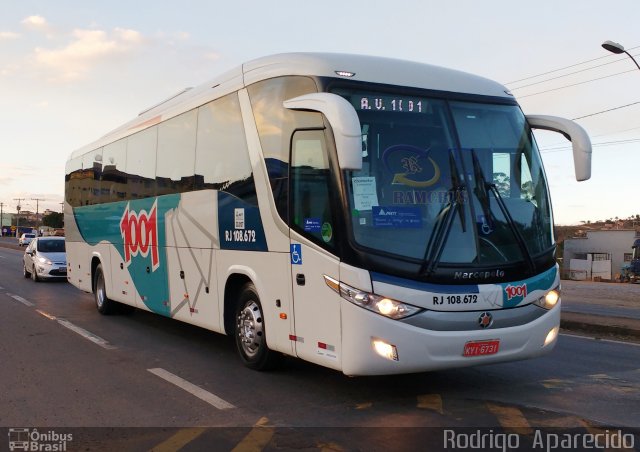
(447, 181)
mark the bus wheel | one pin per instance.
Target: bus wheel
(249, 332)
(104, 305)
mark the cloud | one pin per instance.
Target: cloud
(182, 35)
(35, 23)
(86, 49)
(211, 56)
(8, 35)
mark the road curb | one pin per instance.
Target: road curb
(599, 325)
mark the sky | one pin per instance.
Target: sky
(72, 70)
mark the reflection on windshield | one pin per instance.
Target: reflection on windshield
(447, 182)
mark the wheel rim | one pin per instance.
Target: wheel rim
(33, 273)
(99, 292)
(250, 329)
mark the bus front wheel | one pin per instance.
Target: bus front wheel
(103, 303)
(250, 334)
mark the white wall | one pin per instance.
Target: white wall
(615, 242)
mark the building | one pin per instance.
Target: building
(599, 255)
(7, 220)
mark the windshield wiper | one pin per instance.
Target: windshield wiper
(481, 191)
(438, 239)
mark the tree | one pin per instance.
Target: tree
(53, 220)
(503, 183)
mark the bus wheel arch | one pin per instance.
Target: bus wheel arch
(232, 290)
(244, 320)
(95, 261)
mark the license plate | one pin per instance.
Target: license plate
(480, 348)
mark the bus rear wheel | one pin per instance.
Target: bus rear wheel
(250, 334)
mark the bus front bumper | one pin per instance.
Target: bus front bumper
(375, 345)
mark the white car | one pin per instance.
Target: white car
(45, 258)
(25, 239)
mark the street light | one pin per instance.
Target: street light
(616, 48)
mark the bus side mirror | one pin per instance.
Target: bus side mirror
(344, 122)
(575, 133)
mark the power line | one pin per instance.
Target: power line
(615, 133)
(570, 73)
(566, 67)
(605, 111)
(576, 84)
(551, 150)
(562, 144)
(603, 143)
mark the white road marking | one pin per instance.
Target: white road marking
(197, 391)
(21, 300)
(86, 334)
(45, 314)
(611, 341)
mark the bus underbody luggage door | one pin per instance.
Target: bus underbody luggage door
(316, 306)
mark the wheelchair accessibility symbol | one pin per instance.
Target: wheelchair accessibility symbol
(296, 254)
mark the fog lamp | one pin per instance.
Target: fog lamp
(385, 350)
(551, 336)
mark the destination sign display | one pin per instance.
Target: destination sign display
(398, 104)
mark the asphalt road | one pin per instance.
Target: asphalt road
(65, 366)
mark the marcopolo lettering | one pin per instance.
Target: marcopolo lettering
(140, 234)
(479, 275)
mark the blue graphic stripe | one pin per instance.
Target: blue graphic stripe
(423, 286)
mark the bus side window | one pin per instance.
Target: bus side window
(310, 199)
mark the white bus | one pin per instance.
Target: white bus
(370, 215)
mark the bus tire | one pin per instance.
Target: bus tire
(104, 305)
(249, 331)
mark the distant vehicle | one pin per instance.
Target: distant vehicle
(25, 239)
(45, 258)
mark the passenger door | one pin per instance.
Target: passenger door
(312, 222)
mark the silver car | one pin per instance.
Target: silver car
(25, 239)
(45, 258)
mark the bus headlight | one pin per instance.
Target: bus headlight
(380, 305)
(550, 299)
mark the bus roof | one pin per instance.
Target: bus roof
(365, 68)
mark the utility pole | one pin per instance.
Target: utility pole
(37, 200)
(1, 219)
(18, 215)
